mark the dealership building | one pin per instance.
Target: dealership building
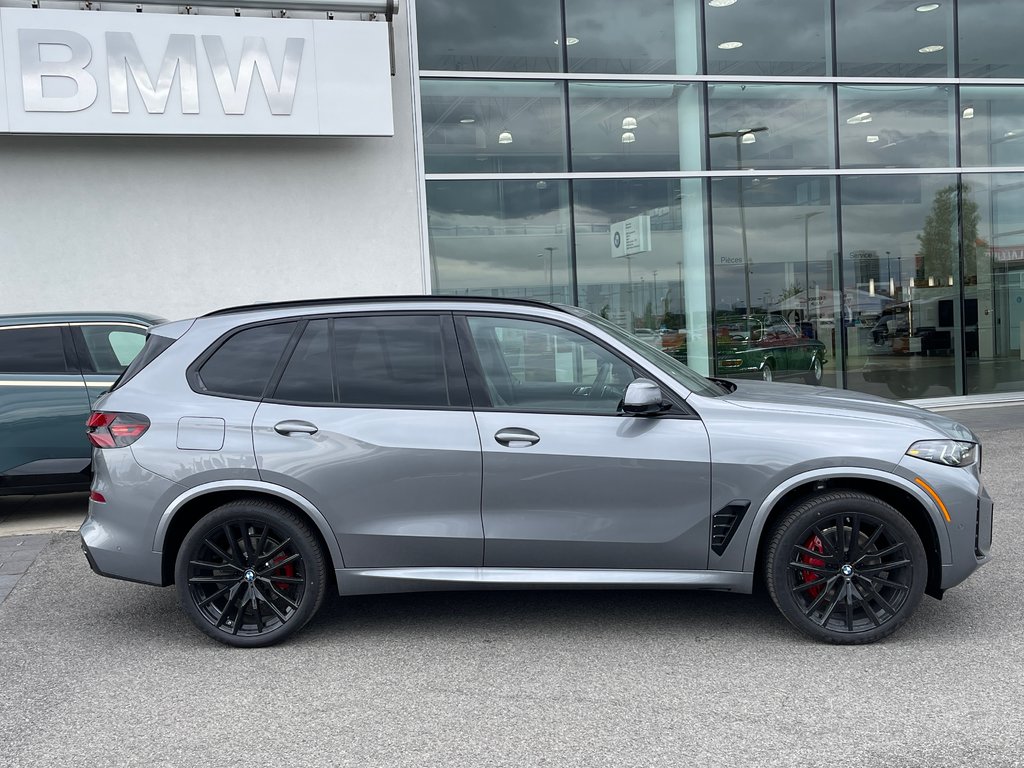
(846, 172)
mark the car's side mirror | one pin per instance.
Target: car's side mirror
(642, 398)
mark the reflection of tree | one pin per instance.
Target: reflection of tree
(794, 290)
(938, 238)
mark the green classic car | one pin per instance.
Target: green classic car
(769, 348)
(51, 369)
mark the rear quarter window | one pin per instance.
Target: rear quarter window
(242, 364)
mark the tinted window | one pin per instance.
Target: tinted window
(396, 360)
(110, 347)
(242, 365)
(32, 350)
(307, 377)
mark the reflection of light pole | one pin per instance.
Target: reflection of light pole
(807, 257)
(632, 303)
(643, 300)
(745, 136)
(551, 270)
(654, 298)
(680, 264)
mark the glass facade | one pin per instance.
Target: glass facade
(845, 206)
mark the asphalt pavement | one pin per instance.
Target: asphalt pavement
(100, 672)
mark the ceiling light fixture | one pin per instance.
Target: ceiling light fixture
(968, 113)
(730, 45)
(872, 139)
(628, 123)
(927, 7)
(863, 117)
(721, 3)
(505, 137)
(931, 49)
(467, 120)
(569, 41)
(628, 137)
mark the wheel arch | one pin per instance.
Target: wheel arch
(902, 495)
(190, 507)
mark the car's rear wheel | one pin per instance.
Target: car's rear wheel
(250, 573)
(845, 567)
(814, 375)
(768, 371)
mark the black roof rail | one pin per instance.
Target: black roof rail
(381, 299)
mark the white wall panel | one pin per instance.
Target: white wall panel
(180, 226)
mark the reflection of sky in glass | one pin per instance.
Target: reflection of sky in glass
(797, 120)
(895, 126)
(488, 126)
(489, 35)
(994, 134)
(990, 42)
(780, 37)
(626, 38)
(880, 38)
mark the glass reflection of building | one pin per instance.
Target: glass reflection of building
(676, 165)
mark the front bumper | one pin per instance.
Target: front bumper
(968, 531)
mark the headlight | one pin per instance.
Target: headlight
(952, 453)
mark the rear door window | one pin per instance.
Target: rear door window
(38, 349)
(387, 361)
(307, 378)
(392, 360)
(241, 366)
(108, 348)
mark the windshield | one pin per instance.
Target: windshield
(686, 376)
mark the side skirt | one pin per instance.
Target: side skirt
(370, 581)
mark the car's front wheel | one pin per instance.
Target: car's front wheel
(250, 573)
(767, 371)
(845, 567)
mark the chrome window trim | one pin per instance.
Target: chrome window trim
(33, 325)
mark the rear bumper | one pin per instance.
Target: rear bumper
(106, 558)
(118, 534)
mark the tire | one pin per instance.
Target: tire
(845, 567)
(767, 372)
(905, 386)
(242, 598)
(816, 373)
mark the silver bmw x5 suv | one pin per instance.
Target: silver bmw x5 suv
(256, 455)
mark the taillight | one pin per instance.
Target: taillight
(115, 430)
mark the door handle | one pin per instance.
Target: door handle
(514, 437)
(295, 428)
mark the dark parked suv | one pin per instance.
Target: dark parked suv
(51, 369)
(256, 455)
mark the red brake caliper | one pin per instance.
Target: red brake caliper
(814, 544)
(288, 571)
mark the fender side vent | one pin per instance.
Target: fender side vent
(724, 524)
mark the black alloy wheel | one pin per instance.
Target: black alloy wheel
(250, 574)
(846, 567)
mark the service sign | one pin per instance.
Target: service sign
(97, 72)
